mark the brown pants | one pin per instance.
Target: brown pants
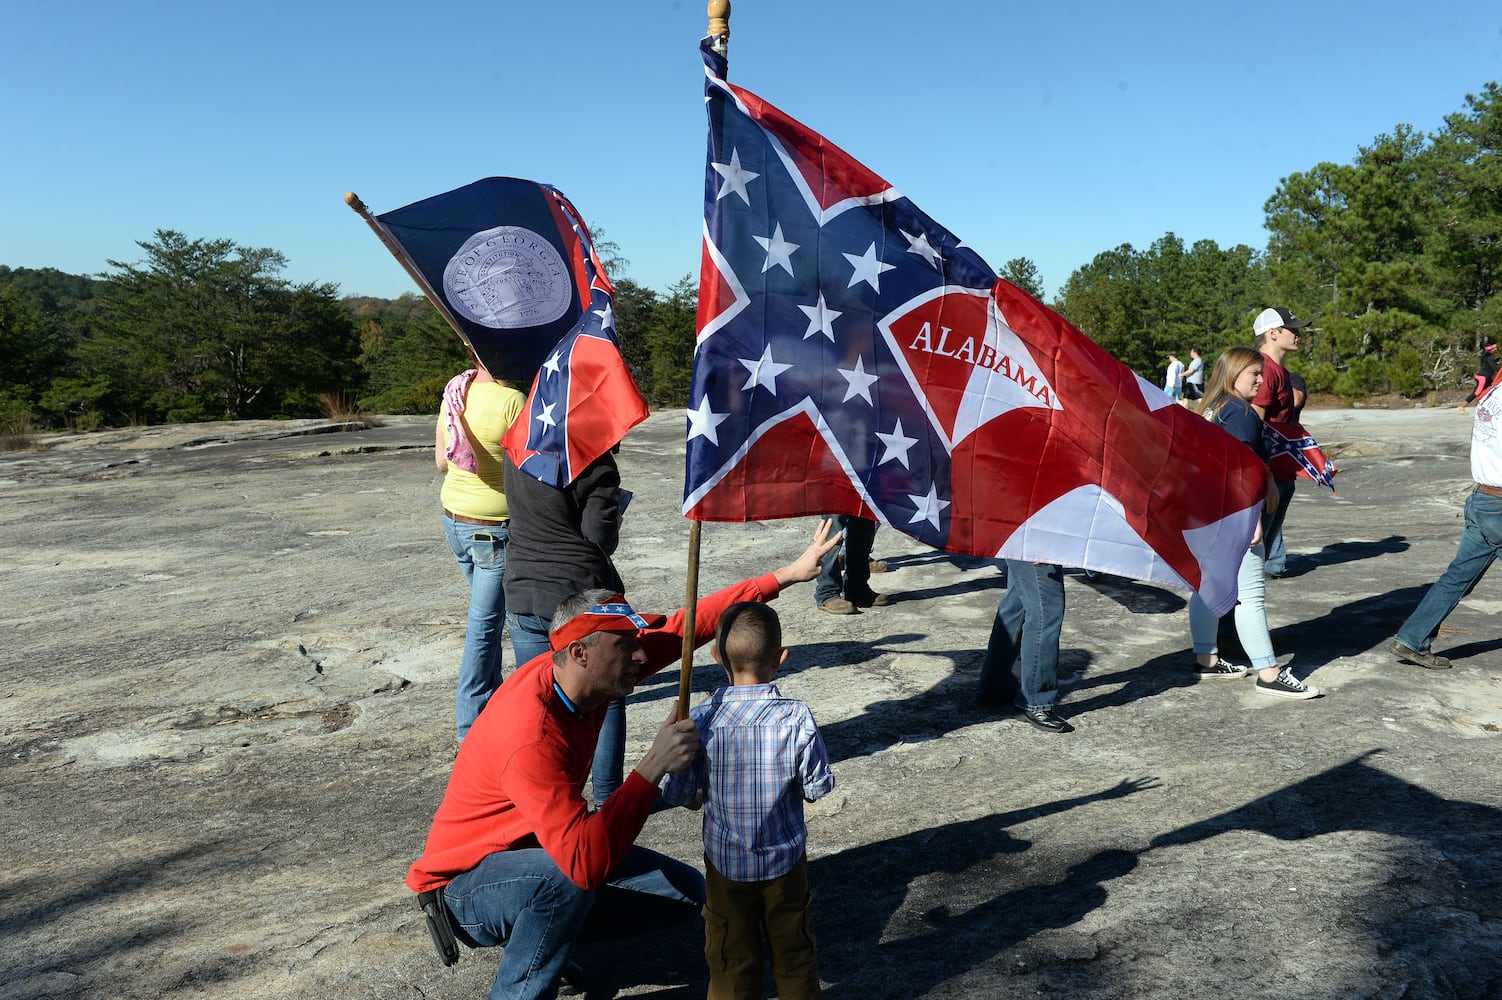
(735, 913)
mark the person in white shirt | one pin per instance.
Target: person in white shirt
(1479, 542)
(1173, 382)
(1194, 377)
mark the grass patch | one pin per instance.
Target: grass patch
(344, 408)
(17, 433)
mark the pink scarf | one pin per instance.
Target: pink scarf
(460, 452)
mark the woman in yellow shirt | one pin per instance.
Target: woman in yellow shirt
(476, 411)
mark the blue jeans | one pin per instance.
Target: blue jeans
(1251, 615)
(1479, 545)
(521, 899)
(529, 638)
(854, 581)
(1276, 561)
(480, 550)
(1022, 658)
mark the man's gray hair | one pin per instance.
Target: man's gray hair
(577, 605)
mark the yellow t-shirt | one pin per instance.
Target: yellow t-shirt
(489, 409)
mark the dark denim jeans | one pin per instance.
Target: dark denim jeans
(1479, 544)
(1022, 658)
(1273, 546)
(854, 579)
(523, 900)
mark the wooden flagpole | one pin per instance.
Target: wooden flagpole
(353, 201)
(719, 29)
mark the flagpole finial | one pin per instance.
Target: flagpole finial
(353, 201)
(719, 23)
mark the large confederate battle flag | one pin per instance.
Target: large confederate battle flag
(854, 357)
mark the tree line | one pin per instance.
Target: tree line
(1395, 256)
(209, 330)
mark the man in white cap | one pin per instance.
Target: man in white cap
(514, 855)
(1277, 333)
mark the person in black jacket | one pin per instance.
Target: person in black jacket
(561, 543)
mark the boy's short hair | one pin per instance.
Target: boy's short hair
(750, 637)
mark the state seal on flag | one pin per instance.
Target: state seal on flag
(508, 277)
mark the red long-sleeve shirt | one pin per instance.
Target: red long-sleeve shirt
(519, 778)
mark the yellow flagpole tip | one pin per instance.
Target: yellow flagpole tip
(719, 18)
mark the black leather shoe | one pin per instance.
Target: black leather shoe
(1047, 720)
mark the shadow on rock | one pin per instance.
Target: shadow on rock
(897, 917)
(1160, 674)
(1437, 929)
(944, 707)
(1138, 598)
(1343, 552)
(66, 907)
(1349, 629)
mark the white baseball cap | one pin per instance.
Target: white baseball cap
(1272, 319)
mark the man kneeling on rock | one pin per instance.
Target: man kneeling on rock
(520, 859)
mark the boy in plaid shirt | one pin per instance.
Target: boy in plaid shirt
(760, 758)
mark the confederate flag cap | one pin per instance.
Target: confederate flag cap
(1272, 319)
(613, 615)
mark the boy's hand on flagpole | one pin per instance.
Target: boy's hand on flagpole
(807, 565)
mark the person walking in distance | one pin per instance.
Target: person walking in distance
(1480, 541)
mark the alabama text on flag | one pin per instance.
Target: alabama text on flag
(853, 356)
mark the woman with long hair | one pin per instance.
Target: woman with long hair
(1227, 404)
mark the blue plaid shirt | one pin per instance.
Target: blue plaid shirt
(760, 758)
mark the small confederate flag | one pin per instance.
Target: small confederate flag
(855, 357)
(583, 400)
(1294, 453)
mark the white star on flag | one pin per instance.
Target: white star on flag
(919, 245)
(764, 371)
(702, 422)
(929, 507)
(859, 381)
(868, 268)
(551, 365)
(897, 445)
(546, 417)
(779, 251)
(820, 319)
(735, 177)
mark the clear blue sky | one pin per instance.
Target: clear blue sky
(1051, 131)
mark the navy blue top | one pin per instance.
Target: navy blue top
(1237, 418)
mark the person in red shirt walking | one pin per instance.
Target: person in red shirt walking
(1277, 337)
